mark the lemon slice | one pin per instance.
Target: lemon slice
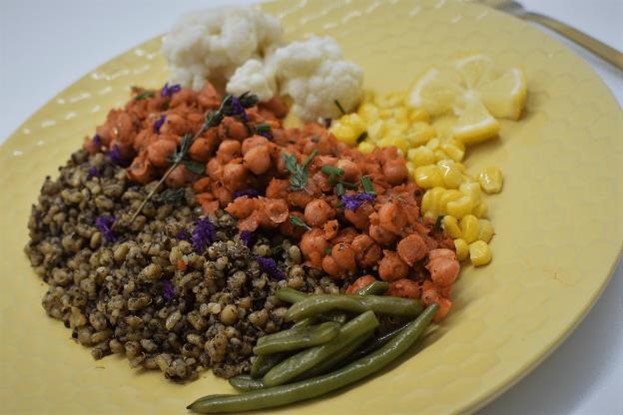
(505, 96)
(475, 123)
(475, 70)
(435, 92)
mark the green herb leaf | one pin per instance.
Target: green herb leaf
(295, 220)
(339, 189)
(299, 174)
(172, 195)
(362, 137)
(332, 170)
(439, 222)
(309, 159)
(213, 119)
(179, 155)
(248, 99)
(194, 166)
(144, 95)
(263, 128)
(328, 251)
(339, 106)
(368, 187)
(349, 185)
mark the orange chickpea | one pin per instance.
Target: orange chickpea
(368, 252)
(412, 249)
(208, 97)
(381, 235)
(232, 128)
(241, 207)
(234, 176)
(444, 269)
(252, 142)
(202, 185)
(360, 217)
(344, 256)
(159, 152)
(392, 218)
(257, 159)
(277, 189)
(276, 210)
(360, 283)
(228, 150)
(89, 146)
(276, 106)
(178, 177)
(352, 172)
(318, 212)
(313, 246)
(223, 195)
(405, 288)
(141, 170)
(299, 198)
(214, 169)
(207, 202)
(175, 124)
(200, 150)
(395, 171)
(331, 229)
(331, 267)
(391, 267)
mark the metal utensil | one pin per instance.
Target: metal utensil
(597, 47)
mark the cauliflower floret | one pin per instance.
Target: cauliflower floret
(213, 43)
(255, 76)
(314, 75)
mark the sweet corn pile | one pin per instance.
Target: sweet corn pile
(435, 162)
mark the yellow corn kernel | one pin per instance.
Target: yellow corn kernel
(343, 132)
(391, 99)
(419, 133)
(486, 230)
(433, 144)
(419, 114)
(430, 202)
(481, 210)
(461, 167)
(460, 207)
(421, 156)
(470, 229)
(410, 168)
(368, 111)
(451, 227)
(428, 176)
(366, 148)
(376, 130)
(452, 177)
(479, 253)
(439, 154)
(491, 180)
(449, 195)
(471, 189)
(461, 248)
(398, 114)
(454, 149)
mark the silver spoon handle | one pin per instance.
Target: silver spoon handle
(597, 47)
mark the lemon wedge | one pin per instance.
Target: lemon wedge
(475, 93)
(505, 97)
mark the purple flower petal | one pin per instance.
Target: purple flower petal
(182, 235)
(247, 238)
(236, 109)
(266, 134)
(93, 172)
(269, 266)
(353, 202)
(168, 293)
(159, 122)
(114, 155)
(97, 140)
(251, 193)
(104, 225)
(168, 91)
(203, 235)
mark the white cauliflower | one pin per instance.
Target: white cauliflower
(314, 75)
(255, 76)
(211, 44)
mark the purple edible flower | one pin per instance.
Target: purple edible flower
(266, 133)
(104, 225)
(97, 140)
(93, 172)
(182, 235)
(236, 109)
(247, 238)
(353, 202)
(269, 266)
(250, 193)
(167, 291)
(203, 235)
(159, 122)
(167, 90)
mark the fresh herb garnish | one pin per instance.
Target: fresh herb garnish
(332, 170)
(349, 185)
(368, 187)
(264, 130)
(144, 95)
(328, 251)
(194, 166)
(172, 195)
(296, 221)
(339, 106)
(439, 222)
(339, 189)
(299, 173)
(362, 137)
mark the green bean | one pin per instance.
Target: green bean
(314, 387)
(290, 295)
(374, 288)
(301, 362)
(318, 304)
(245, 383)
(338, 359)
(376, 343)
(304, 323)
(297, 338)
(262, 364)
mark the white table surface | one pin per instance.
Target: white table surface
(45, 45)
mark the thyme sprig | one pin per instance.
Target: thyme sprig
(299, 173)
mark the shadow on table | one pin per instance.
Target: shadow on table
(560, 383)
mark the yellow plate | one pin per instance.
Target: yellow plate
(558, 221)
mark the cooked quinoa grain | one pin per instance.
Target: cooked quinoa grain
(148, 294)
